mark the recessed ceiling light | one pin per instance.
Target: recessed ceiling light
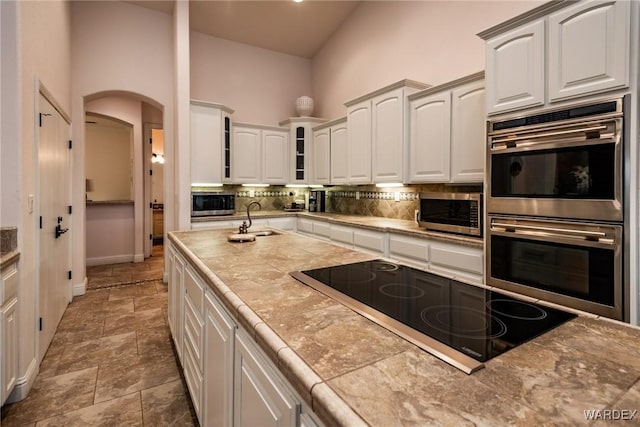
(298, 1)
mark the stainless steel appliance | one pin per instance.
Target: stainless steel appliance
(451, 212)
(576, 264)
(563, 163)
(555, 206)
(212, 203)
(317, 201)
(462, 324)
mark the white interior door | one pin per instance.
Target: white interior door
(54, 168)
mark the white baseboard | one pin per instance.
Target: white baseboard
(80, 288)
(138, 258)
(115, 259)
(165, 277)
(24, 383)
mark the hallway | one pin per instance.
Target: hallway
(111, 361)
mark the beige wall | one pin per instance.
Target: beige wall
(45, 54)
(118, 49)
(260, 85)
(382, 42)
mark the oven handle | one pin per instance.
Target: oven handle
(511, 141)
(560, 232)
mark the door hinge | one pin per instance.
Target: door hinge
(42, 115)
(41, 222)
(150, 236)
(150, 140)
(70, 209)
(70, 144)
(150, 205)
(69, 274)
(40, 323)
(150, 172)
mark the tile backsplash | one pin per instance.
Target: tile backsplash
(399, 203)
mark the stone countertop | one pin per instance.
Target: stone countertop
(8, 258)
(375, 223)
(354, 372)
(8, 246)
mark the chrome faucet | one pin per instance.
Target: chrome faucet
(243, 229)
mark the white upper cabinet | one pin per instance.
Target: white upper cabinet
(468, 132)
(275, 166)
(321, 157)
(246, 154)
(429, 138)
(558, 51)
(359, 143)
(301, 149)
(259, 154)
(388, 112)
(377, 134)
(339, 155)
(589, 48)
(447, 132)
(210, 135)
(515, 68)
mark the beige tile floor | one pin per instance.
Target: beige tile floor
(101, 276)
(111, 362)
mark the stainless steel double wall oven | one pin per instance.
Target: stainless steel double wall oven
(555, 206)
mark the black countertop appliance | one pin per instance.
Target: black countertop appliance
(317, 201)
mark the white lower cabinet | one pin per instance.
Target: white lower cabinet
(260, 398)
(8, 331)
(193, 335)
(176, 298)
(374, 242)
(218, 364)
(410, 250)
(230, 380)
(341, 235)
(462, 262)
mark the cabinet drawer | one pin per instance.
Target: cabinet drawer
(195, 290)
(408, 247)
(322, 229)
(341, 234)
(193, 332)
(369, 240)
(193, 378)
(305, 226)
(461, 259)
(9, 288)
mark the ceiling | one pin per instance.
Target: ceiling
(284, 26)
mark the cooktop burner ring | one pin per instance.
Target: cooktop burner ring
(417, 292)
(349, 277)
(541, 313)
(384, 266)
(432, 317)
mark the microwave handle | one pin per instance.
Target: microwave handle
(552, 230)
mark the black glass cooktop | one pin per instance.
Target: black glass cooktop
(474, 321)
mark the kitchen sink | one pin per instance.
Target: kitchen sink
(259, 233)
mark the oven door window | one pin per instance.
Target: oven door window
(583, 172)
(576, 271)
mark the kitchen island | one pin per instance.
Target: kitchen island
(350, 371)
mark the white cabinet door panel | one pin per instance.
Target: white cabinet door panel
(218, 365)
(340, 154)
(321, 157)
(359, 143)
(260, 398)
(275, 146)
(430, 138)
(247, 155)
(515, 68)
(388, 136)
(588, 48)
(468, 133)
(409, 249)
(322, 229)
(371, 241)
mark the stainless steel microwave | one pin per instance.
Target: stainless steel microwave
(451, 212)
(212, 203)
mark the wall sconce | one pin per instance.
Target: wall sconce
(157, 158)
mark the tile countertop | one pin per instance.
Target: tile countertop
(354, 372)
(376, 223)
